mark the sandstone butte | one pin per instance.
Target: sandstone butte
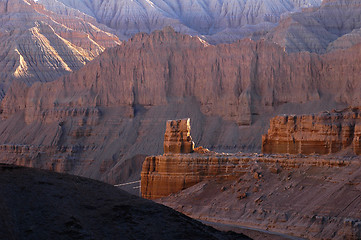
(243, 183)
(323, 133)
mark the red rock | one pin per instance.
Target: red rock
(221, 87)
(322, 133)
(320, 201)
(175, 171)
(177, 138)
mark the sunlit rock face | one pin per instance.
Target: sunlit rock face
(276, 191)
(39, 45)
(322, 133)
(111, 113)
(177, 138)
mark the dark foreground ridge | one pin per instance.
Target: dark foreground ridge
(36, 204)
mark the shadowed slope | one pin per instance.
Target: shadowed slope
(36, 204)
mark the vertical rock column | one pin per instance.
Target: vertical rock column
(177, 138)
(357, 140)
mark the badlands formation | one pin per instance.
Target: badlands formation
(324, 133)
(334, 25)
(102, 120)
(314, 197)
(216, 21)
(298, 25)
(39, 45)
(43, 40)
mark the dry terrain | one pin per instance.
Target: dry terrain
(37, 204)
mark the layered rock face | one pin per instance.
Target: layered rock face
(114, 109)
(177, 138)
(167, 174)
(288, 194)
(323, 133)
(246, 78)
(335, 25)
(164, 175)
(307, 197)
(40, 45)
(215, 20)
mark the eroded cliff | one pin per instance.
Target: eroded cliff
(116, 106)
(306, 196)
(218, 21)
(323, 133)
(309, 197)
(39, 45)
(334, 25)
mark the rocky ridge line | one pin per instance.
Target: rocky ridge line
(40, 45)
(217, 21)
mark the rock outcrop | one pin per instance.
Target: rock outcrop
(177, 170)
(323, 133)
(246, 78)
(39, 204)
(301, 195)
(116, 106)
(177, 138)
(39, 45)
(304, 196)
(167, 174)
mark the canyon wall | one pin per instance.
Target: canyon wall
(116, 106)
(236, 81)
(322, 133)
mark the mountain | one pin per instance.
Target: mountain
(40, 45)
(334, 25)
(41, 205)
(215, 20)
(102, 120)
